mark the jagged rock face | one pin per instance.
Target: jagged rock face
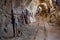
(21, 3)
(6, 27)
(6, 5)
(5, 21)
(31, 7)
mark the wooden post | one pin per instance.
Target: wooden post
(13, 20)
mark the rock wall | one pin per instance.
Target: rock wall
(6, 27)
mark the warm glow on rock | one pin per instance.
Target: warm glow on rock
(37, 2)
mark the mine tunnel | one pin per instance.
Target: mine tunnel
(29, 19)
